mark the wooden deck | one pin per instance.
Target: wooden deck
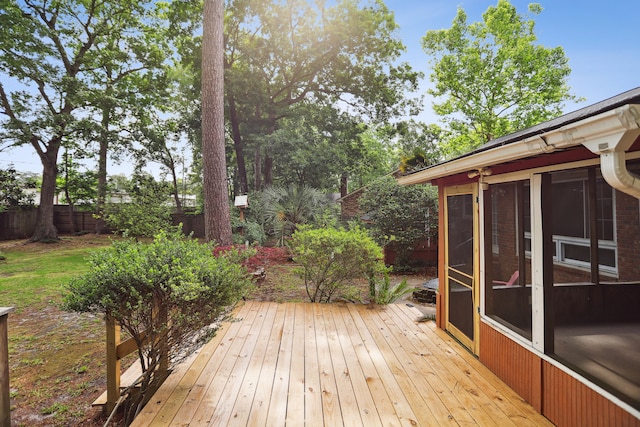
(333, 365)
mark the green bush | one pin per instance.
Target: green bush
(146, 214)
(166, 294)
(247, 231)
(329, 258)
(382, 292)
(400, 215)
(283, 209)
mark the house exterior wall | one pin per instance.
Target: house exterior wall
(513, 364)
(558, 396)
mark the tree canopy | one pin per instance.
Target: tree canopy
(492, 78)
(283, 54)
(54, 59)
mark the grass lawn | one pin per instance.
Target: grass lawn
(56, 358)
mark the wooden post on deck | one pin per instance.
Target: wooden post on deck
(5, 400)
(113, 364)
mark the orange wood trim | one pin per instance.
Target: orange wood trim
(441, 299)
(514, 364)
(568, 402)
(558, 396)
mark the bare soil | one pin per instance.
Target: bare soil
(57, 358)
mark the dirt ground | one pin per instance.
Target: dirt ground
(57, 358)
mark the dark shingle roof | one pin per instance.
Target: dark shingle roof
(629, 97)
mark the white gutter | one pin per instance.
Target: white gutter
(608, 134)
(612, 152)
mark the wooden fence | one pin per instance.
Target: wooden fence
(17, 224)
(21, 224)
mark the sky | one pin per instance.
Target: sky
(599, 38)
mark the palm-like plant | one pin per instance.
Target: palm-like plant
(284, 208)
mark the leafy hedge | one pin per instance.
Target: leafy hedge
(166, 294)
(329, 258)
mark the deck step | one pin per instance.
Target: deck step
(126, 379)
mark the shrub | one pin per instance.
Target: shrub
(382, 292)
(330, 257)
(146, 214)
(247, 231)
(165, 294)
(401, 215)
(283, 209)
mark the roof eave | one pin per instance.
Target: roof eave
(607, 123)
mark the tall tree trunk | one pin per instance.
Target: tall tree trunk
(257, 164)
(102, 169)
(268, 160)
(45, 230)
(238, 144)
(268, 170)
(67, 195)
(176, 190)
(216, 201)
(344, 184)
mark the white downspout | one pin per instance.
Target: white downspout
(612, 150)
(614, 170)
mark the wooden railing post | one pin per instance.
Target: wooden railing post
(113, 364)
(5, 400)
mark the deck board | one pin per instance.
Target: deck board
(329, 365)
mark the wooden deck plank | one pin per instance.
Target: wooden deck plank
(349, 408)
(241, 408)
(477, 378)
(391, 381)
(333, 364)
(429, 412)
(199, 387)
(278, 402)
(424, 360)
(332, 415)
(170, 398)
(481, 377)
(509, 402)
(222, 411)
(295, 402)
(204, 396)
(377, 386)
(313, 411)
(366, 403)
(444, 404)
(264, 388)
(457, 382)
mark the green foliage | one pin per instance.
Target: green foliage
(79, 188)
(283, 209)
(146, 214)
(329, 258)
(327, 55)
(250, 229)
(60, 61)
(382, 292)
(417, 141)
(12, 190)
(400, 215)
(165, 294)
(316, 144)
(493, 78)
